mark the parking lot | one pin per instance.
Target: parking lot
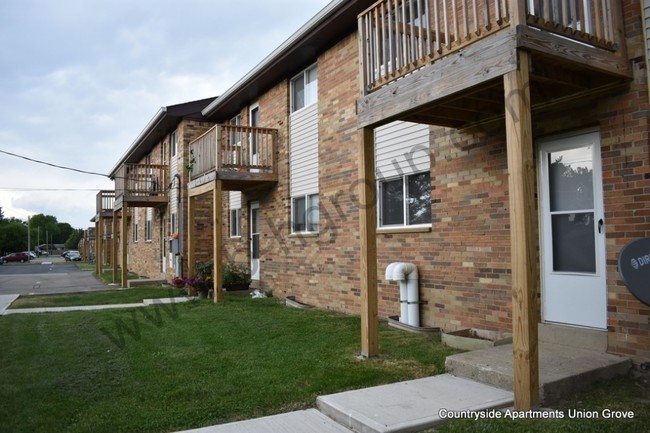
(46, 275)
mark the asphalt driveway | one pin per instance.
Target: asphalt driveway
(46, 275)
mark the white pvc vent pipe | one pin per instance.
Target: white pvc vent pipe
(409, 296)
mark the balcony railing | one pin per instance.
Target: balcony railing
(232, 149)
(105, 201)
(400, 36)
(141, 181)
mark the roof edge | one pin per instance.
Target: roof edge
(145, 132)
(301, 33)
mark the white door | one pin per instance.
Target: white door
(572, 231)
(255, 240)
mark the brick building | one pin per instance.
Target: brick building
(506, 158)
(585, 101)
(149, 206)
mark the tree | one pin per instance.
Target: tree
(73, 240)
(13, 235)
(45, 225)
(2, 214)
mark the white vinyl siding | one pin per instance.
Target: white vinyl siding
(401, 148)
(646, 26)
(304, 151)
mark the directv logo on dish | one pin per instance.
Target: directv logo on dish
(641, 261)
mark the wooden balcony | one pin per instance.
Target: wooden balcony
(105, 204)
(141, 185)
(441, 61)
(242, 157)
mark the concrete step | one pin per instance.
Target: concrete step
(410, 406)
(564, 370)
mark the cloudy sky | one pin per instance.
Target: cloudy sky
(80, 79)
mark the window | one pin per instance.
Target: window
(147, 225)
(305, 214)
(173, 145)
(136, 217)
(235, 225)
(304, 89)
(235, 136)
(405, 201)
(234, 199)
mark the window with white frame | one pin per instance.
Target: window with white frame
(304, 89)
(405, 200)
(173, 145)
(136, 218)
(148, 225)
(235, 214)
(306, 214)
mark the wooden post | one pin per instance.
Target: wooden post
(191, 214)
(125, 264)
(218, 241)
(115, 245)
(368, 236)
(523, 237)
(98, 246)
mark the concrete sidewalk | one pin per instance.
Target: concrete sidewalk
(6, 300)
(401, 407)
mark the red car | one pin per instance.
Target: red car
(15, 257)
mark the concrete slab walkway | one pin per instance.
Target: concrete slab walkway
(304, 421)
(145, 303)
(6, 301)
(411, 406)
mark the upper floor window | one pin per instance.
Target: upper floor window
(304, 89)
(173, 146)
(405, 200)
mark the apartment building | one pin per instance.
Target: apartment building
(146, 214)
(500, 147)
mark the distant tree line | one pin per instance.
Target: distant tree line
(13, 233)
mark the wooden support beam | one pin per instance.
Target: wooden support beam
(368, 236)
(115, 245)
(125, 259)
(218, 240)
(523, 237)
(98, 246)
(191, 221)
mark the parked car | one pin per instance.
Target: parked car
(72, 256)
(16, 257)
(42, 253)
(32, 254)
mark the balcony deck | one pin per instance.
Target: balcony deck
(242, 157)
(105, 204)
(141, 185)
(442, 62)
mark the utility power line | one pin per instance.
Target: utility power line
(53, 165)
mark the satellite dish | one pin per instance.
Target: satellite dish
(634, 268)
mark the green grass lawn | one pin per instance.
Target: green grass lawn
(122, 296)
(162, 369)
